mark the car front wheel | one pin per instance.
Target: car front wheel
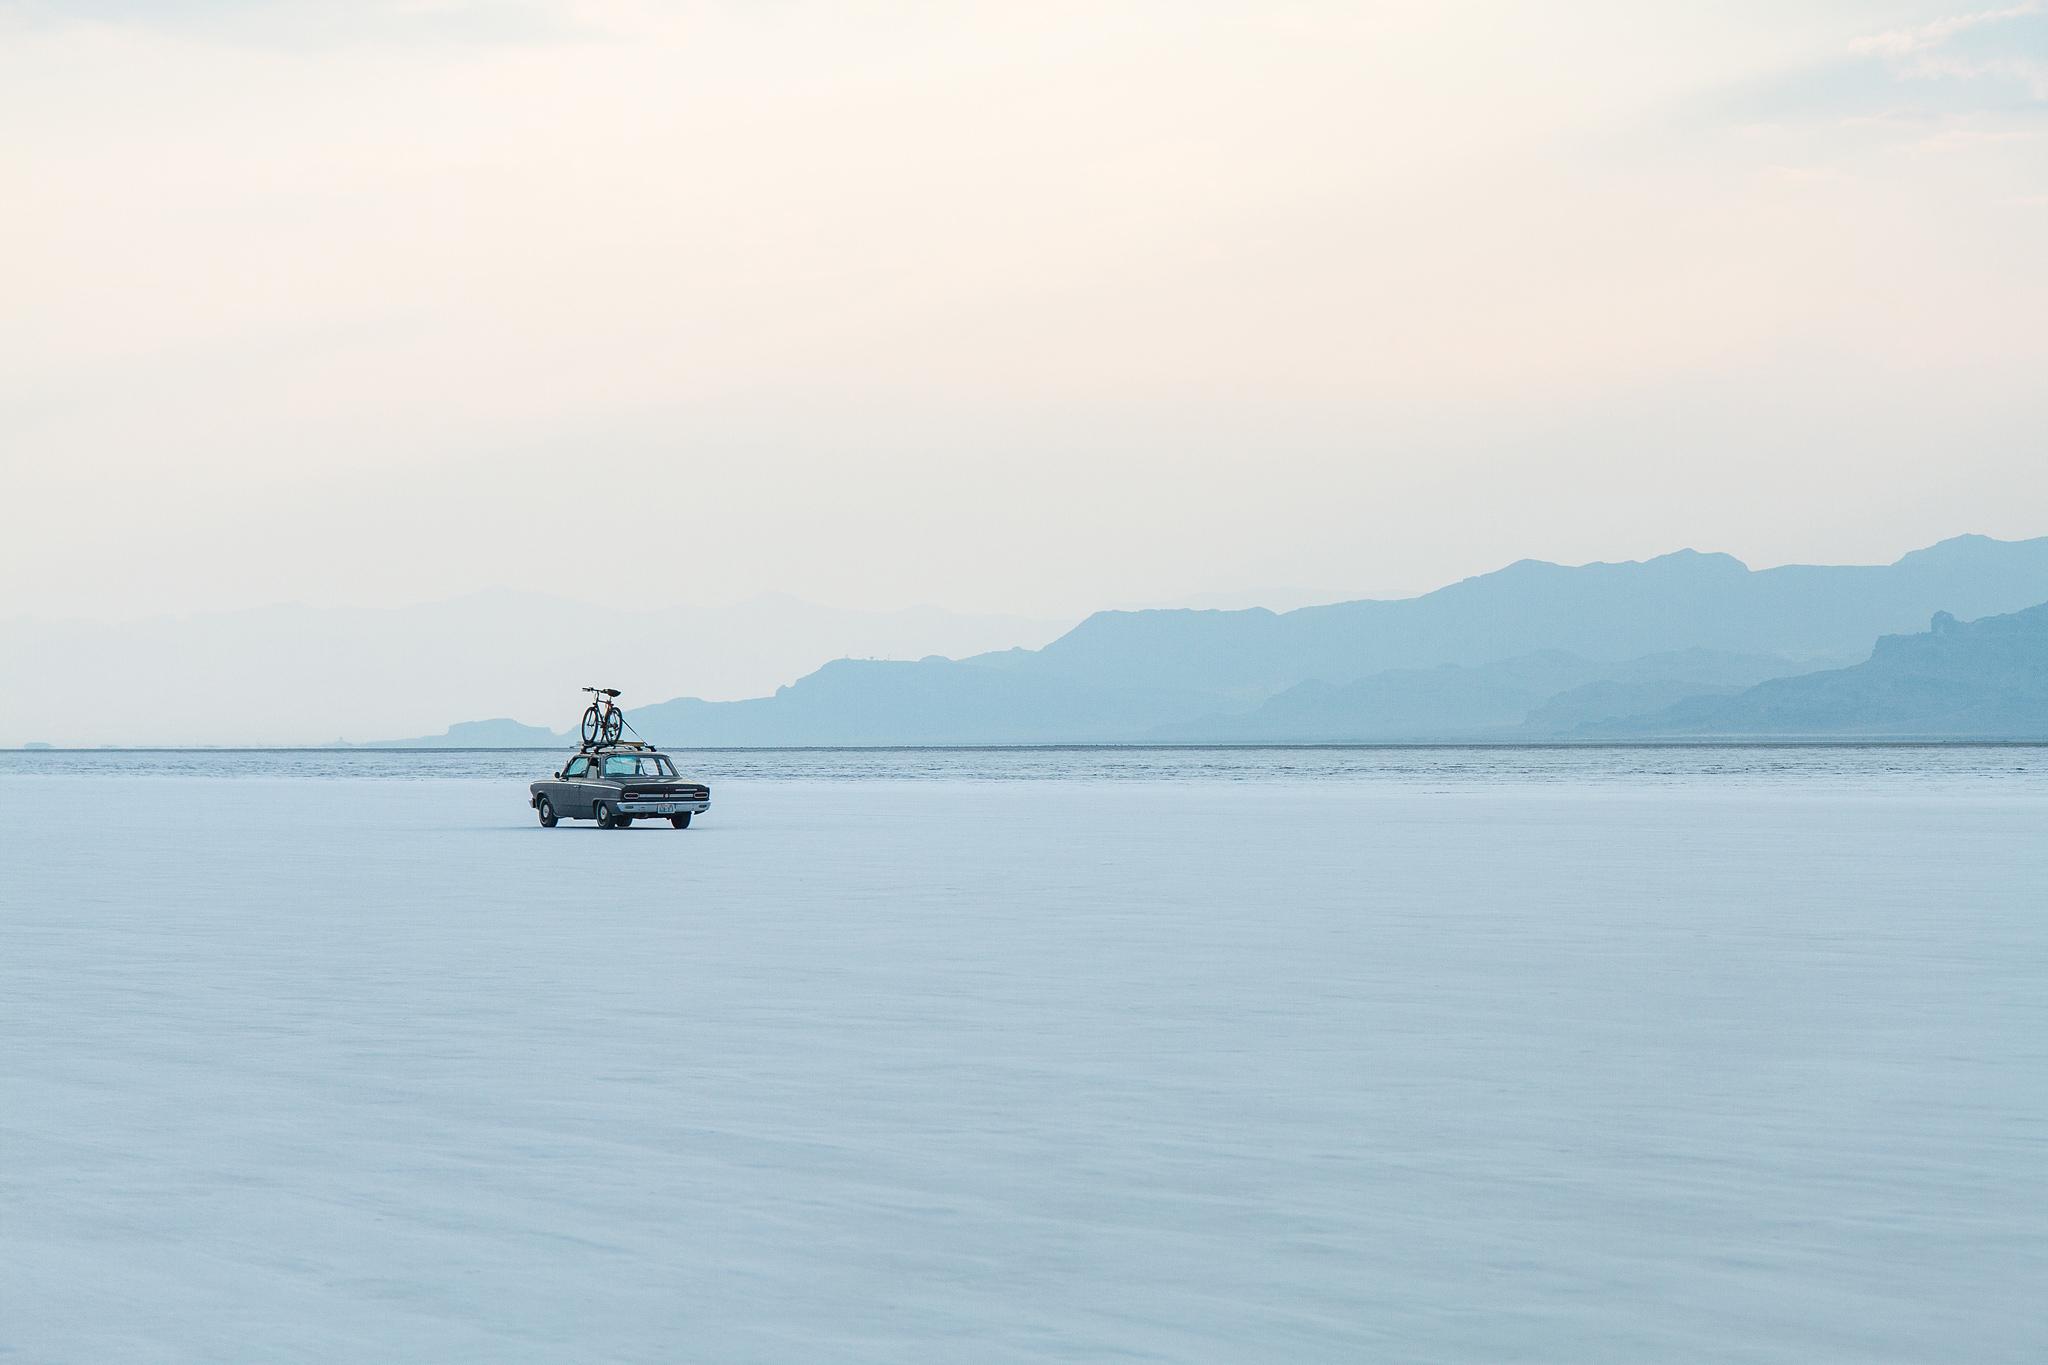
(546, 810)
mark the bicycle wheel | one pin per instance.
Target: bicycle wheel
(591, 725)
(614, 725)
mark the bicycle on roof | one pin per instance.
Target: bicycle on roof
(603, 721)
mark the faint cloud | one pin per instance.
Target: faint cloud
(1985, 64)
(2029, 74)
(1900, 42)
(1992, 48)
(1967, 138)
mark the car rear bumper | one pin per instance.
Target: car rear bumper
(658, 806)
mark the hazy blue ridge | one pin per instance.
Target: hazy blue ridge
(932, 701)
(1532, 651)
(1985, 679)
(1675, 602)
(500, 733)
(1613, 699)
(1536, 696)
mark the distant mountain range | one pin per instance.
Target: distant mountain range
(1985, 679)
(1687, 644)
(1543, 696)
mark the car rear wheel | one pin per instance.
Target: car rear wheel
(680, 821)
(546, 810)
(605, 818)
(622, 822)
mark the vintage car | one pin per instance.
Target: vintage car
(615, 784)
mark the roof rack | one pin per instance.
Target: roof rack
(617, 746)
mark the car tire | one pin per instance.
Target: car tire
(622, 822)
(680, 821)
(546, 809)
(605, 819)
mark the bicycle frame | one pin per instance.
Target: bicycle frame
(604, 720)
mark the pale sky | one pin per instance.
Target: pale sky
(1009, 307)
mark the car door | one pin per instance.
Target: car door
(577, 791)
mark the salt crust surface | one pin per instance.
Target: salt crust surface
(962, 1070)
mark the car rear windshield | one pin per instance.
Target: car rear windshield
(638, 765)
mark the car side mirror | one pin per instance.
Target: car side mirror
(558, 776)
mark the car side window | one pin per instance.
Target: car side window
(578, 767)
